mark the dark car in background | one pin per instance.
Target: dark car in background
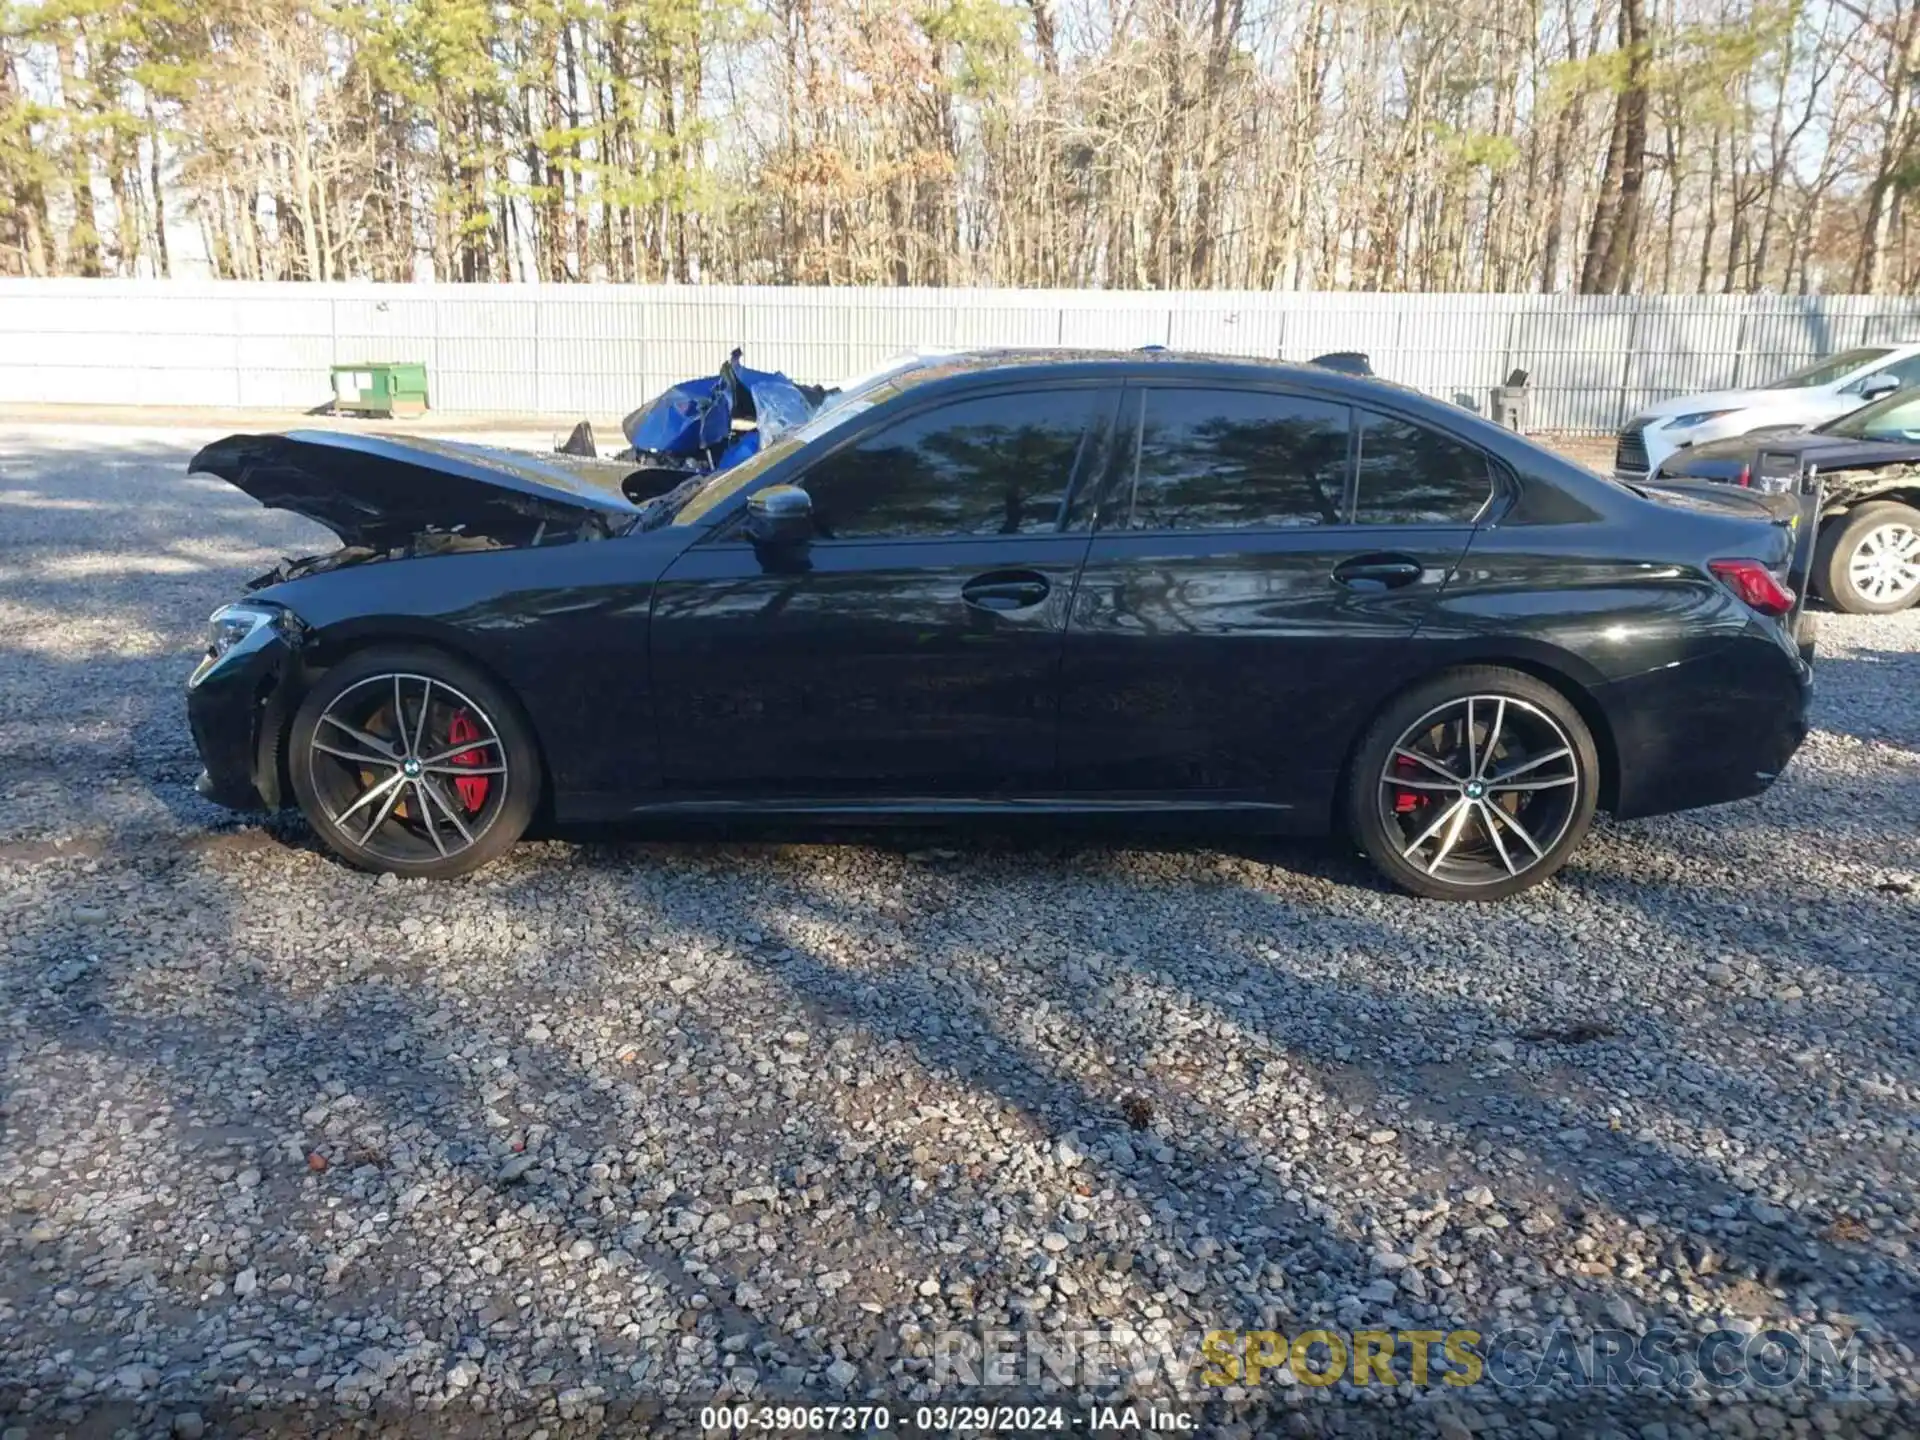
(1868, 557)
(1822, 390)
(1129, 586)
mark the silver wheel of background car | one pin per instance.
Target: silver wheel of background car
(1885, 564)
(408, 768)
(1480, 790)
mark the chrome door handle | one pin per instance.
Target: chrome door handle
(1378, 572)
(1001, 590)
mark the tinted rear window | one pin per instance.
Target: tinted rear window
(1411, 475)
(1237, 459)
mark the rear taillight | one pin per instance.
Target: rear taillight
(1746, 476)
(1755, 584)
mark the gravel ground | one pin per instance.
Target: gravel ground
(615, 1128)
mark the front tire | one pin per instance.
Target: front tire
(1474, 785)
(1869, 559)
(406, 759)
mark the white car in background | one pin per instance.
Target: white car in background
(1812, 395)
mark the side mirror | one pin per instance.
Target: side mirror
(780, 516)
(1875, 386)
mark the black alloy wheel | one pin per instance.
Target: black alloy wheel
(1475, 785)
(410, 761)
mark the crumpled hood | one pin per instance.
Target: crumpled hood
(1829, 452)
(380, 491)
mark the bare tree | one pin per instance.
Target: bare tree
(1379, 144)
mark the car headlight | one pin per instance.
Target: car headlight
(1699, 417)
(231, 624)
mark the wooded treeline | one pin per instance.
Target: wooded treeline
(1600, 145)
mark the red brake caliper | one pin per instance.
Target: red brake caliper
(473, 789)
(1404, 801)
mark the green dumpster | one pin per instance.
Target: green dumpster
(380, 387)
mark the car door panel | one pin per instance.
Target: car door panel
(1240, 666)
(1239, 660)
(868, 670)
(889, 665)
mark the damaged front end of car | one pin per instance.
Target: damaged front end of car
(385, 499)
(1852, 485)
(717, 421)
(239, 699)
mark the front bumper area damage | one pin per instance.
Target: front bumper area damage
(1846, 488)
(238, 708)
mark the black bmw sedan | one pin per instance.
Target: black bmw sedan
(1135, 585)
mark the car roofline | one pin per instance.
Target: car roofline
(967, 370)
(971, 369)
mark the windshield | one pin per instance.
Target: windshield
(896, 377)
(1895, 418)
(1834, 367)
(701, 501)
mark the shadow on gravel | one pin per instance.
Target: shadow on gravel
(947, 996)
(1065, 843)
(372, 1049)
(1873, 683)
(364, 1064)
(1404, 1046)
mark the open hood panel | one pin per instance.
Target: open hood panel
(381, 490)
(1815, 447)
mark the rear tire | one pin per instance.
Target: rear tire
(1868, 561)
(1474, 785)
(406, 759)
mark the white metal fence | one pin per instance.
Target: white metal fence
(600, 349)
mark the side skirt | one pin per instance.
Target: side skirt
(1230, 811)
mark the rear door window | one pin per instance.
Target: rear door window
(1218, 459)
(1412, 475)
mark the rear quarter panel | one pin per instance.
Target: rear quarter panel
(1612, 600)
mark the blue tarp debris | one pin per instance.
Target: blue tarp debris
(691, 425)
